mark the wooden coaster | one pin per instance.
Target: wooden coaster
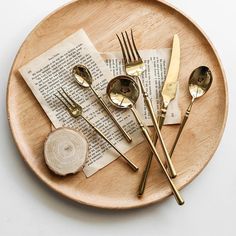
(65, 151)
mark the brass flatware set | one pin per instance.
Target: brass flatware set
(123, 92)
(76, 111)
(134, 67)
(84, 79)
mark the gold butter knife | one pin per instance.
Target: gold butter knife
(168, 94)
(170, 86)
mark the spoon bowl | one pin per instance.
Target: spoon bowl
(82, 76)
(200, 81)
(123, 92)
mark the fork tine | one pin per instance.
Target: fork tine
(131, 49)
(122, 49)
(71, 100)
(66, 99)
(135, 48)
(66, 105)
(126, 47)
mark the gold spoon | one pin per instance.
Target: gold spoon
(123, 92)
(199, 83)
(84, 79)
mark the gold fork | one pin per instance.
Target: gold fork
(135, 67)
(76, 111)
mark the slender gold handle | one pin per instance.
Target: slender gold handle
(176, 193)
(146, 170)
(150, 157)
(159, 135)
(182, 126)
(145, 175)
(154, 120)
(106, 108)
(162, 116)
(133, 166)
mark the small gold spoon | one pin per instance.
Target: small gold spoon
(123, 92)
(84, 79)
(199, 83)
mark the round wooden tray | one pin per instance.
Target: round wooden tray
(154, 23)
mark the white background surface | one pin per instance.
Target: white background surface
(28, 207)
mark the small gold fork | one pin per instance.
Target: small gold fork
(76, 111)
(134, 66)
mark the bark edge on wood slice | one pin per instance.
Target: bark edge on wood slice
(65, 151)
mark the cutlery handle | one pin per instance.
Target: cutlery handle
(106, 108)
(148, 164)
(149, 105)
(187, 113)
(143, 181)
(132, 165)
(159, 135)
(162, 116)
(146, 170)
(175, 191)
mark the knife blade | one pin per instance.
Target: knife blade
(171, 83)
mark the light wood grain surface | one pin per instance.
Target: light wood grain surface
(154, 24)
(65, 151)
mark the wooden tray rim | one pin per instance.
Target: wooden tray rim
(143, 204)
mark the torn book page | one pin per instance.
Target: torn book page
(46, 74)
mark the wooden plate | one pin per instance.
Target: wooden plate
(154, 23)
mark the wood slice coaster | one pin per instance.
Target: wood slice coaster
(154, 24)
(65, 151)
